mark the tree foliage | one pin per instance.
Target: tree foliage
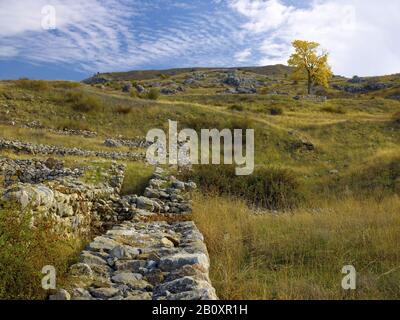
(311, 64)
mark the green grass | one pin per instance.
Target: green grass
(137, 177)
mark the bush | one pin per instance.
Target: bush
(236, 107)
(337, 110)
(66, 84)
(81, 102)
(123, 109)
(73, 125)
(270, 188)
(24, 251)
(153, 94)
(33, 85)
(276, 111)
(396, 118)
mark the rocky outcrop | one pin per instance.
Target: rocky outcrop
(30, 148)
(241, 85)
(363, 88)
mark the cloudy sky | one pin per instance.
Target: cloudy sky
(71, 39)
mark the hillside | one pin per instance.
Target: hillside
(277, 70)
(326, 172)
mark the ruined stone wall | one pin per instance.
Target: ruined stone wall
(158, 254)
(57, 193)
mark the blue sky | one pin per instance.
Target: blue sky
(119, 35)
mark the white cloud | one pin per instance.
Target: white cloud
(96, 35)
(263, 15)
(359, 34)
(243, 56)
(117, 35)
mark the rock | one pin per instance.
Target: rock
(89, 258)
(233, 79)
(60, 295)
(179, 260)
(127, 278)
(140, 89)
(151, 193)
(104, 293)
(356, 79)
(131, 265)
(178, 185)
(111, 143)
(168, 91)
(124, 252)
(185, 285)
(145, 204)
(81, 269)
(102, 243)
(167, 243)
(81, 294)
(127, 87)
(191, 185)
(140, 296)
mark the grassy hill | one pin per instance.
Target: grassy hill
(277, 70)
(327, 171)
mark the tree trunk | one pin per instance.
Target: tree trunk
(309, 83)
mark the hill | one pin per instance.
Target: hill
(326, 170)
(277, 70)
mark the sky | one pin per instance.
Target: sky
(73, 39)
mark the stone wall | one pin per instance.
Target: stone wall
(148, 247)
(57, 194)
(155, 255)
(30, 148)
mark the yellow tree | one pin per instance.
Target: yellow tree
(308, 62)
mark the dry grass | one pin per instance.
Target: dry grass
(24, 251)
(300, 255)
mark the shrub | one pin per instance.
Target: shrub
(24, 251)
(73, 125)
(123, 109)
(83, 103)
(271, 188)
(236, 107)
(337, 110)
(396, 118)
(164, 76)
(66, 84)
(276, 111)
(153, 94)
(33, 85)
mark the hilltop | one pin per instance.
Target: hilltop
(152, 74)
(266, 79)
